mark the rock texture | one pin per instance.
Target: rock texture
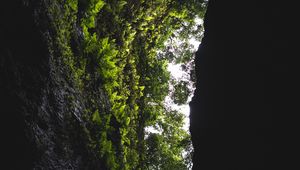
(41, 112)
(243, 111)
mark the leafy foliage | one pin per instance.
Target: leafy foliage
(118, 55)
(172, 148)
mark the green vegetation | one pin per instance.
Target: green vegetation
(118, 55)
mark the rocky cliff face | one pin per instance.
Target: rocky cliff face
(41, 110)
(243, 111)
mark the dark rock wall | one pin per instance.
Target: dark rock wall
(41, 112)
(243, 111)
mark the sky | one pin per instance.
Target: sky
(178, 74)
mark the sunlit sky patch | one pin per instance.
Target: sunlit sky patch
(178, 74)
(185, 109)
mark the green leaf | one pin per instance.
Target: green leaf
(104, 43)
(96, 117)
(98, 6)
(121, 4)
(127, 121)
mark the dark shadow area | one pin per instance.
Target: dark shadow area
(16, 150)
(243, 113)
(21, 55)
